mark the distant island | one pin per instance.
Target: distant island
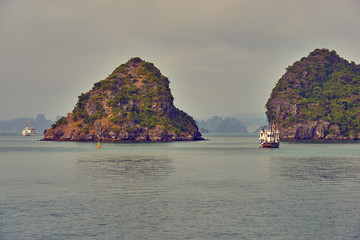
(134, 103)
(222, 125)
(317, 98)
(15, 126)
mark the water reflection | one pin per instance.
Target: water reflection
(126, 167)
(319, 168)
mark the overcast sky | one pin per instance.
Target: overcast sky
(222, 57)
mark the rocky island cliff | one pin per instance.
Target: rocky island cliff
(134, 103)
(317, 98)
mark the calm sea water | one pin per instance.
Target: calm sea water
(224, 188)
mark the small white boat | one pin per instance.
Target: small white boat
(29, 131)
(269, 138)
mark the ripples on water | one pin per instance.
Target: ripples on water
(224, 188)
(138, 168)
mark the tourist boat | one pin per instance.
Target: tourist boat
(269, 138)
(29, 131)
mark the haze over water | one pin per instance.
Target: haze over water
(224, 188)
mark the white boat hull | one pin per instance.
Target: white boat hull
(269, 138)
(28, 131)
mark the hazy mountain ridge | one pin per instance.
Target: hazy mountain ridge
(222, 125)
(17, 125)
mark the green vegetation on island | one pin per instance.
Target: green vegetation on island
(133, 103)
(320, 88)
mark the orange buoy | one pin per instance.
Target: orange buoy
(98, 145)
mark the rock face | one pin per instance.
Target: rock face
(134, 103)
(317, 98)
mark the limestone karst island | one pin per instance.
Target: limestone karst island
(317, 98)
(134, 103)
